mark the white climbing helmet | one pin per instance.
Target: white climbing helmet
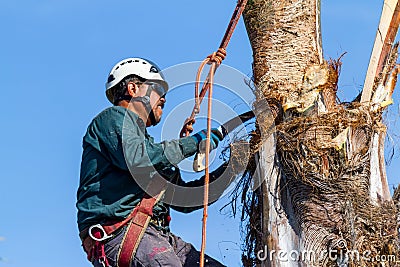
(134, 66)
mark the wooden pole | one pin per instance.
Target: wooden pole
(387, 30)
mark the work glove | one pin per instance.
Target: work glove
(201, 137)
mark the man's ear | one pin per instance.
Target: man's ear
(131, 89)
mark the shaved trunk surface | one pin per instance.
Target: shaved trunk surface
(325, 186)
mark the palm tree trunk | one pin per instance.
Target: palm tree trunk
(325, 188)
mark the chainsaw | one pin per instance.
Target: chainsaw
(224, 129)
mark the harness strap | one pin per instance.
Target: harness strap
(136, 228)
(99, 252)
(137, 222)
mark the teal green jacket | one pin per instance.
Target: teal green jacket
(116, 141)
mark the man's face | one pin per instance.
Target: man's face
(156, 101)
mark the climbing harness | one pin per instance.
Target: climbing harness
(93, 238)
(215, 60)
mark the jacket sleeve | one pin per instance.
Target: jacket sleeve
(222, 173)
(129, 146)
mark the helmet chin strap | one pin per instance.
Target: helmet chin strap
(145, 100)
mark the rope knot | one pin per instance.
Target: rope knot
(218, 56)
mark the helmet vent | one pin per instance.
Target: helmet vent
(111, 78)
(153, 69)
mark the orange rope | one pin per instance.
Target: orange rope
(215, 60)
(207, 173)
(218, 56)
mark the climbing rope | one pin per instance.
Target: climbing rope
(215, 60)
(216, 57)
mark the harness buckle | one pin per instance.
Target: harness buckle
(103, 262)
(97, 233)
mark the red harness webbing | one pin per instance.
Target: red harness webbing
(135, 230)
(137, 221)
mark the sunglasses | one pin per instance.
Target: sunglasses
(158, 88)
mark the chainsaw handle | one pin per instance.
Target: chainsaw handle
(198, 164)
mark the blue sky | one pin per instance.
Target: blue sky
(55, 57)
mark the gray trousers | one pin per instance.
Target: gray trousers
(158, 249)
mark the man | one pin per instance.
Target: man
(121, 161)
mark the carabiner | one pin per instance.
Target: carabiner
(103, 234)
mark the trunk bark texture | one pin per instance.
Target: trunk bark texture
(325, 196)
